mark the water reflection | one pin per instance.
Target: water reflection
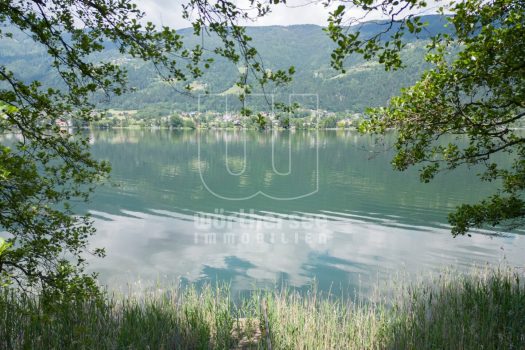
(364, 223)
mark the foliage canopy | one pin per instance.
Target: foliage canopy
(477, 97)
(474, 90)
(44, 169)
(477, 94)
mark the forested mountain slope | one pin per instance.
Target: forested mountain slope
(306, 47)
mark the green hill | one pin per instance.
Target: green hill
(306, 47)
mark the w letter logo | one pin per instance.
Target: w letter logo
(281, 164)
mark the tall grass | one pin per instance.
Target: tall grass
(484, 309)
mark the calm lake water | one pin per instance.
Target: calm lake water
(261, 209)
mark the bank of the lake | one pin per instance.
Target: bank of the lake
(483, 309)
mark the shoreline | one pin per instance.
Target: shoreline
(484, 308)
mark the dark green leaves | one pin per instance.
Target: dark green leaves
(479, 96)
(47, 167)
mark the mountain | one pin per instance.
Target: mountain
(306, 47)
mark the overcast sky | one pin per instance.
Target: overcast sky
(169, 12)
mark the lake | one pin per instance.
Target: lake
(262, 209)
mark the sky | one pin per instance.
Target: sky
(169, 13)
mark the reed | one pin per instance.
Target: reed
(482, 309)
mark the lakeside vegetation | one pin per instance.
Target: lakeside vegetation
(482, 309)
(159, 117)
(156, 117)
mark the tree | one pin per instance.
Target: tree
(260, 121)
(344, 28)
(477, 96)
(45, 170)
(284, 121)
(189, 123)
(176, 121)
(328, 122)
(475, 91)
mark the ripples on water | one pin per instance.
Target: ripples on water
(363, 223)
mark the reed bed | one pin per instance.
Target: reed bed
(482, 309)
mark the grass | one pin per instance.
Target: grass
(483, 309)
